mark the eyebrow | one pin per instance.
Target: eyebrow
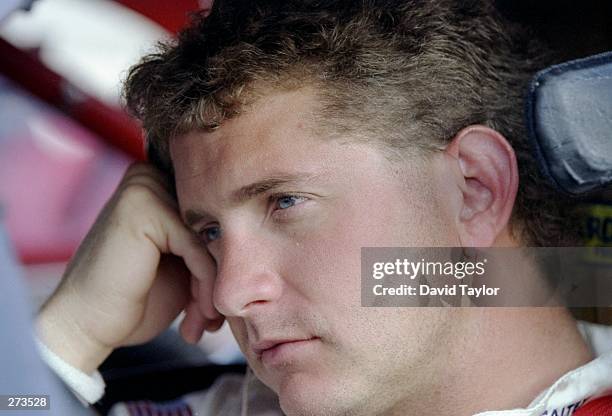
(250, 191)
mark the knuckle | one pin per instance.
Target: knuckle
(138, 168)
(137, 191)
(139, 206)
(136, 197)
(144, 171)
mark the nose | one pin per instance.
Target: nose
(246, 278)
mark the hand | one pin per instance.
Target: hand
(136, 269)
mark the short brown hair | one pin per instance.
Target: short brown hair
(409, 73)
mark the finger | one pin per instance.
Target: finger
(154, 186)
(182, 242)
(145, 174)
(195, 287)
(170, 235)
(215, 324)
(205, 299)
(193, 325)
(166, 299)
(147, 170)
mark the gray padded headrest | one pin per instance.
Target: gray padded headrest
(569, 118)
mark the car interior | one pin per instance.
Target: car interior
(82, 140)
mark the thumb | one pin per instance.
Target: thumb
(167, 297)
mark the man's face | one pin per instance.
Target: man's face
(285, 213)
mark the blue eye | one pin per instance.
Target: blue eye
(288, 201)
(211, 234)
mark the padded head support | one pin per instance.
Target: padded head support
(569, 118)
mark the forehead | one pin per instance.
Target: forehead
(274, 138)
(278, 122)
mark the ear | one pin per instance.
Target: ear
(488, 184)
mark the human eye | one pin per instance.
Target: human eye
(283, 202)
(210, 234)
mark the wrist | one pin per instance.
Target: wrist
(58, 329)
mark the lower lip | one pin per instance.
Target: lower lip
(287, 351)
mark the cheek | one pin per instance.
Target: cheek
(239, 331)
(323, 263)
(399, 216)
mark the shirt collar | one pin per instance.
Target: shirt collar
(573, 389)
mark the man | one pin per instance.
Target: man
(292, 134)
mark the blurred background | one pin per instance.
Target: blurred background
(64, 138)
(65, 143)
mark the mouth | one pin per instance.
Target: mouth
(272, 352)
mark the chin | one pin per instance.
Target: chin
(305, 395)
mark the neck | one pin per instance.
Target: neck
(503, 359)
